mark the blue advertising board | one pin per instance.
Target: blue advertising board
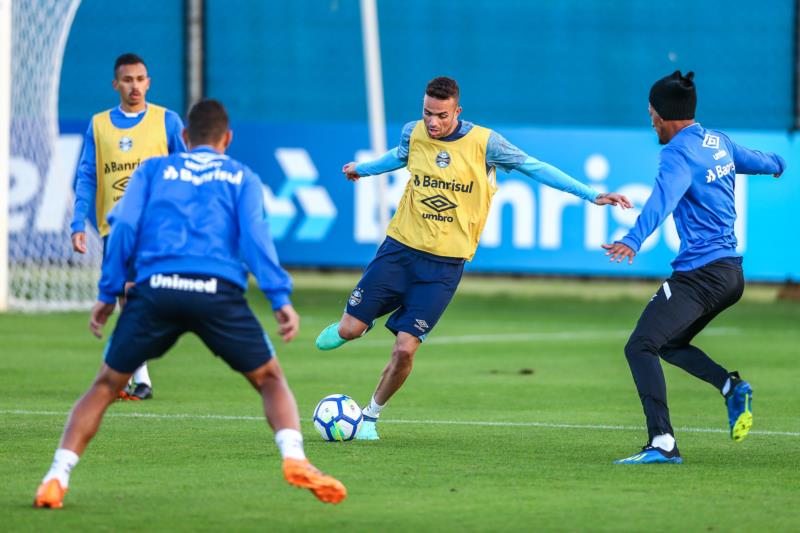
(319, 219)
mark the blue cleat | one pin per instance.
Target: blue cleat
(368, 431)
(739, 401)
(651, 455)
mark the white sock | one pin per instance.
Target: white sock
(290, 443)
(726, 387)
(373, 409)
(63, 462)
(666, 442)
(142, 376)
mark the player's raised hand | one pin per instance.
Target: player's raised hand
(79, 242)
(618, 252)
(613, 198)
(349, 170)
(288, 322)
(100, 313)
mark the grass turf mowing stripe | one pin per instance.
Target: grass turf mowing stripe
(534, 336)
(544, 425)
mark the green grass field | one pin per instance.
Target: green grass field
(475, 441)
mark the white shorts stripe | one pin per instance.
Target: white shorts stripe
(667, 290)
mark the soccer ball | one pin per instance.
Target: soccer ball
(337, 417)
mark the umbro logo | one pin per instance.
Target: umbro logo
(121, 184)
(421, 325)
(439, 203)
(711, 141)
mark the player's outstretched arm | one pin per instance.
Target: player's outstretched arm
(502, 154)
(749, 161)
(672, 182)
(386, 163)
(553, 177)
(392, 160)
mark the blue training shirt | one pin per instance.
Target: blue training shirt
(86, 175)
(193, 213)
(695, 182)
(499, 153)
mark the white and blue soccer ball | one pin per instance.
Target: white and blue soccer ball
(337, 417)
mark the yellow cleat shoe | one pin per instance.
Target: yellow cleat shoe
(303, 474)
(50, 494)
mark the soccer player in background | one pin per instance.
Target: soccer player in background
(190, 222)
(695, 182)
(435, 229)
(116, 143)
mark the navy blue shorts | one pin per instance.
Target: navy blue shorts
(166, 306)
(415, 286)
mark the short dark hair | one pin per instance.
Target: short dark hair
(207, 122)
(443, 88)
(128, 59)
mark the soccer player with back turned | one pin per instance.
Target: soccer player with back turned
(117, 141)
(191, 221)
(695, 182)
(435, 230)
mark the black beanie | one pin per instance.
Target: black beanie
(674, 97)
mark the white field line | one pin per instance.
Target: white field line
(573, 335)
(544, 425)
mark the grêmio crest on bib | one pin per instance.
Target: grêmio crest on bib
(442, 159)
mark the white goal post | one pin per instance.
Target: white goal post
(38, 270)
(5, 111)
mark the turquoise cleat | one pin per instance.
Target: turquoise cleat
(651, 455)
(368, 431)
(740, 408)
(329, 339)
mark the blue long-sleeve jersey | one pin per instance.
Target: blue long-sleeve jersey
(499, 153)
(695, 182)
(193, 213)
(86, 175)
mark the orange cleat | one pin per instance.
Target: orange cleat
(303, 474)
(50, 494)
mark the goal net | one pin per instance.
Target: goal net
(43, 271)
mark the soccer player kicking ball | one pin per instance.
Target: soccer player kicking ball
(189, 220)
(695, 183)
(434, 230)
(117, 141)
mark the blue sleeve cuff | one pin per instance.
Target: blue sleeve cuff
(106, 297)
(628, 241)
(781, 163)
(278, 298)
(78, 226)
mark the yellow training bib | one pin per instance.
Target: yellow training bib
(446, 202)
(120, 151)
